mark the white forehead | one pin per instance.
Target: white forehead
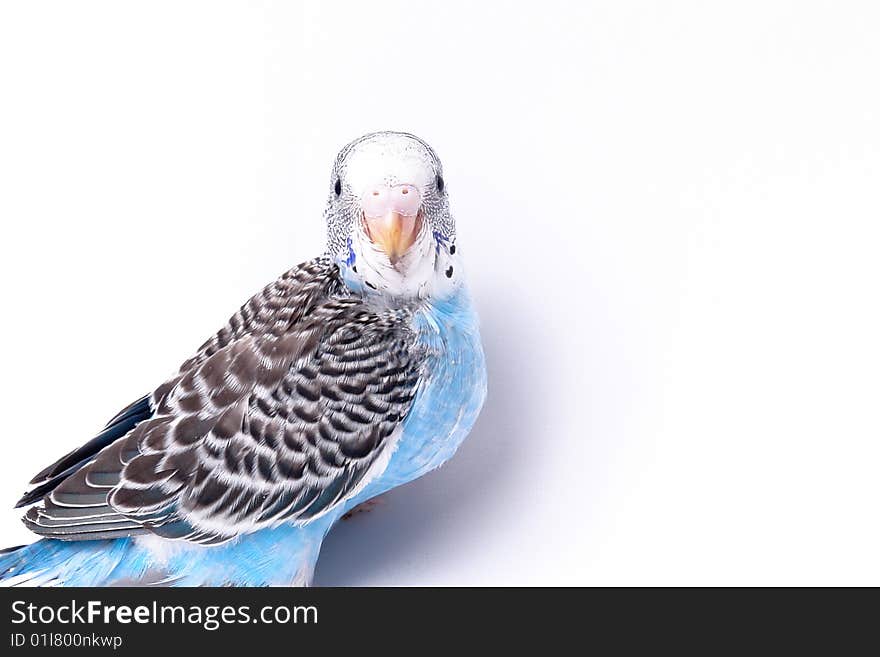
(390, 158)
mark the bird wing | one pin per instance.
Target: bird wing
(285, 413)
(49, 478)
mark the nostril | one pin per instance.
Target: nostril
(379, 200)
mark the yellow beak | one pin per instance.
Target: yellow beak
(394, 233)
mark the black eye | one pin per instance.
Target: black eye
(440, 184)
(337, 188)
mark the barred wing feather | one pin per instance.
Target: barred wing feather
(285, 413)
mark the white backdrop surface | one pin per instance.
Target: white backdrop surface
(669, 212)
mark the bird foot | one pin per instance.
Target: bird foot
(364, 507)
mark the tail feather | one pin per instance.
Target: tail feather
(61, 563)
(283, 556)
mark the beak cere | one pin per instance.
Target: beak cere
(391, 218)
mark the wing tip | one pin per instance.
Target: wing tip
(28, 498)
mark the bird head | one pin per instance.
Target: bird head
(388, 220)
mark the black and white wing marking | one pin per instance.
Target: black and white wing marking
(48, 479)
(278, 306)
(259, 429)
(274, 420)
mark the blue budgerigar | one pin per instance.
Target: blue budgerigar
(353, 373)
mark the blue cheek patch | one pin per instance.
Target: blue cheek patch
(439, 238)
(349, 261)
(346, 268)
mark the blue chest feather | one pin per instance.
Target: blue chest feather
(449, 397)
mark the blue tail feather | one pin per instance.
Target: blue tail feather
(51, 562)
(283, 556)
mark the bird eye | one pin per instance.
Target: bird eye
(337, 188)
(440, 184)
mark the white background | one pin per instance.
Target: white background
(669, 214)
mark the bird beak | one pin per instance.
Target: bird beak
(393, 232)
(392, 217)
